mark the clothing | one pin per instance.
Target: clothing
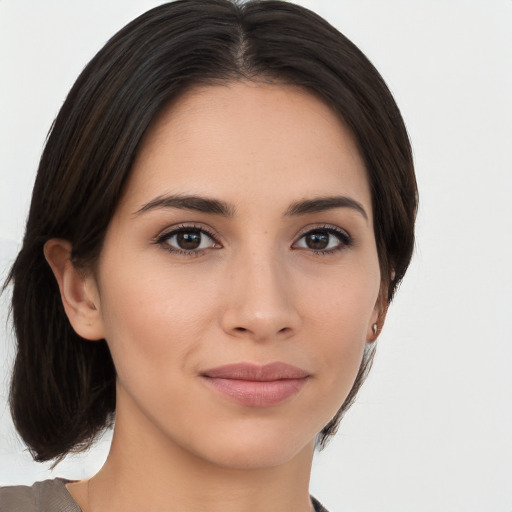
(45, 496)
(52, 496)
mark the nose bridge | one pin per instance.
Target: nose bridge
(260, 302)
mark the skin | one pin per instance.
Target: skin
(256, 292)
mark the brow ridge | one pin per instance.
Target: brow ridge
(321, 204)
(222, 208)
(189, 202)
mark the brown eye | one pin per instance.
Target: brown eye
(317, 241)
(187, 240)
(325, 240)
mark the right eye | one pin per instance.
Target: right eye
(187, 240)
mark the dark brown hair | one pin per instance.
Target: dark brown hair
(63, 387)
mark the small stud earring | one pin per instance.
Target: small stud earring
(375, 328)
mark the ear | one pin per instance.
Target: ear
(378, 316)
(78, 290)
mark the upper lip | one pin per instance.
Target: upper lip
(256, 372)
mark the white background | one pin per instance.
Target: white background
(431, 430)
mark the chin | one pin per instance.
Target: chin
(253, 450)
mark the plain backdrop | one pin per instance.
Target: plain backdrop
(431, 429)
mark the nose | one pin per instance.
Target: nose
(260, 300)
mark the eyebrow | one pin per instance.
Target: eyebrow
(195, 203)
(322, 204)
(218, 207)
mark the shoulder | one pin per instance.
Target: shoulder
(318, 506)
(45, 496)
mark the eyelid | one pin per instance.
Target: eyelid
(176, 228)
(322, 226)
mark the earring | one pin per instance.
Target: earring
(375, 328)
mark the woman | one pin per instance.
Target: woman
(222, 213)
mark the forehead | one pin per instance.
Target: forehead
(274, 143)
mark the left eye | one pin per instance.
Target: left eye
(323, 240)
(189, 239)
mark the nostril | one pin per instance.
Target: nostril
(240, 329)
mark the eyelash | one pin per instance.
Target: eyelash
(162, 240)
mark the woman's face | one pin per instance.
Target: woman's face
(244, 238)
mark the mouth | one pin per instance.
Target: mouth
(254, 385)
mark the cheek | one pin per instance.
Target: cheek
(342, 304)
(153, 324)
(340, 311)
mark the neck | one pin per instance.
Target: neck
(146, 471)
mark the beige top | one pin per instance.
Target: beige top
(45, 496)
(52, 496)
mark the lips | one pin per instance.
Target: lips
(255, 385)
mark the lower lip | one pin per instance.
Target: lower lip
(257, 393)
